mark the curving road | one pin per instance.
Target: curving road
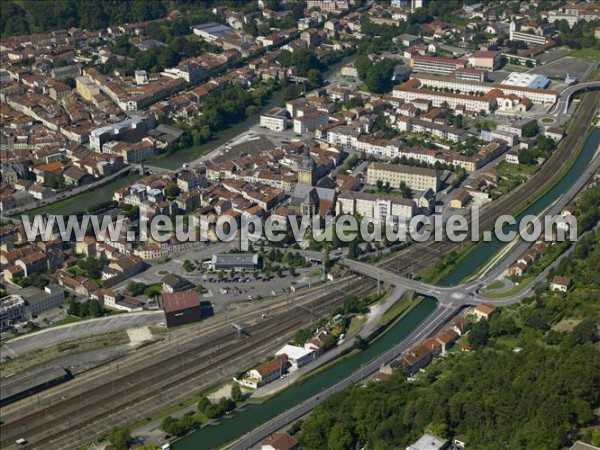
(451, 300)
(560, 109)
(440, 316)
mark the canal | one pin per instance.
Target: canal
(234, 427)
(82, 202)
(174, 160)
(484, 252)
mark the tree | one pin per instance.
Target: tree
(584, 332)
(95, 310)
(120, 438)
(438, 429)
(479, 334)
(360, 343)
(236, 393)
(362, 64)
(315, 79)
(458, 121)
(136, 288)
(527, 157)
(379, 76)
(172, 190)
(340, 438)
(73, 306)
(188, 266)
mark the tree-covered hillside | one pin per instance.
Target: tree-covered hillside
(38, 16)
(541, 397)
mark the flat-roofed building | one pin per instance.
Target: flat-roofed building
(212, 31)
(310, 122)
(380, 207)
(275, 119)
(12, 310)
(433, 64)
(416, 178)
(428, 442)
(235, 261)
(487, 60)
(469, 74)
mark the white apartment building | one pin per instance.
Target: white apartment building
(378, 147)
(528, 38)
(378, 207)
(416, 178)
(440, 131)
(275, 119)
(437, 99)
(540, 96)
(343, 135)
(310, 122)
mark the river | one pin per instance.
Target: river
(235, 426)
(486, 250)
(232, 427)
(174, 160)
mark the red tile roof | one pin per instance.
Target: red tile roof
(177, 301)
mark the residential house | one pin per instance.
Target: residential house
(483, 311)
(561, 284)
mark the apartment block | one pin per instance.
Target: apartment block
(275, 119)
(379, 207)
(416, 178)
(433, 64)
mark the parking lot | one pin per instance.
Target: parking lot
(580, 68)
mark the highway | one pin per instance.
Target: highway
(560, 109)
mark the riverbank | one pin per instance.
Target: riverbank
(241, 422)
(575, 168)
(218, 435)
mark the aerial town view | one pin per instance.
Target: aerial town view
(300, 224)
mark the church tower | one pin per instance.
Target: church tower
(306, 169)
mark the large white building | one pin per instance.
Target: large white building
(379, 207)
(540, 96)
(528, 38)
(416, 178)
(310, 122)
(470, 102)
(275, 119)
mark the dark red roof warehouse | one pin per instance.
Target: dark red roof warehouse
(177, 301)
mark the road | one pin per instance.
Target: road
(560, 108)
(451, 300)
(436, 319)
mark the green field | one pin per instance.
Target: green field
(587, 53)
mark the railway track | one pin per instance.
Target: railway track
(420, 256)
(131, 397)
(208, 331)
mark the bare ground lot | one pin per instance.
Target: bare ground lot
(566, 325)
(579, 68)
